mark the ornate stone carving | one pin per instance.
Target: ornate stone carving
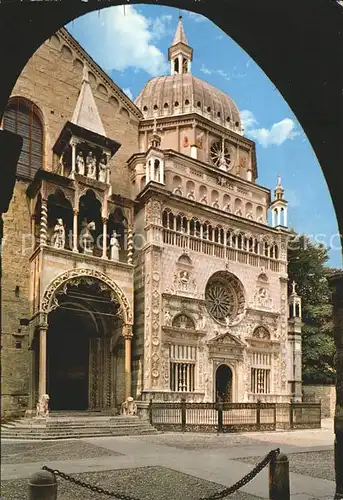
(261, 332)
(87, 240)
(167, 318)
(80, 163)
(129, 407)
(191, 195)
(262, 298)
(178, 191)
(225, 301)
(42, 409)
(77, 274)
(59, 237)
(91, 165)
(103, 169)
(114, 244)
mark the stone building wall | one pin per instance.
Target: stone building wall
(15, 303)
(52, 80)
(324, 393)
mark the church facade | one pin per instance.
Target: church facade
(138, 259)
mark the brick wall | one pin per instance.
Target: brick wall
(15, 304)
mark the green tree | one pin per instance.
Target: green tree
(306, 266)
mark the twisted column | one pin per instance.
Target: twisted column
(129, 245)
(44, 223)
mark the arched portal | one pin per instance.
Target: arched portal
(224, 384)
(82, 333)
(79, 352)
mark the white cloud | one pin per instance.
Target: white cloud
(128, 92)
(228, 76)
(124, 39)
(276, 135)
(198, 18)
(248, 119)
(206, 70)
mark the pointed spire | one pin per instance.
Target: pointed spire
(86, 113)
(180, 54)
(180, 35)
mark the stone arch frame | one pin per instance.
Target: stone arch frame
(261, 328)
(62, 279)
(225, 362)
(188, 316)
(239, 289)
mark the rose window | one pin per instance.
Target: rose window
(220, 155)
(224, 298)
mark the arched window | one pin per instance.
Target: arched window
(22, 117)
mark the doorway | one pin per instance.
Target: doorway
(224, 384)
(68, 360)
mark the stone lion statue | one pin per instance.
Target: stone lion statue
(42, 409)
(129, 407)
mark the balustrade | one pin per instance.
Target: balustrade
(221, 251)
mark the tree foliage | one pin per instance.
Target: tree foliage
(306, 266)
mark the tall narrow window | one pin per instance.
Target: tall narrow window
(182, 368)
(261, 373)
(22, 118)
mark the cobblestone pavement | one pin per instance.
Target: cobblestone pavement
(13, 453)
(315, 464)
(145, 483)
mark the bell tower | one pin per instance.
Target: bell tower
(180, 54)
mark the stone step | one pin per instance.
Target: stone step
(76, 427)
(38, 437)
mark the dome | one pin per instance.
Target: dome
(183, 94)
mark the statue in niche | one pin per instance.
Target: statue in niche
(59, 237)
(42, 409)
(167, 318)
(191, 195)
(184, 279)
(204, 200)
(227, 208)
(91, 165)
(103, 168)
(115, 247)
(87, 240)
(178, 190)
(215, 204)
(201, 323)
(80, 163)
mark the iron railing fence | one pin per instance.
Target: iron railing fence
(233, 417)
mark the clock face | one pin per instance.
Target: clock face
(221, 155)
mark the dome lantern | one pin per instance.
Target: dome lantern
(180, 54)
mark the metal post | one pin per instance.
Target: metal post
(43, 486)
(258, 414)
(150, 411)
(183, 414)
(220, 417)
(279, 478)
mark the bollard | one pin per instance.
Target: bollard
(43, 486)
(279, 478)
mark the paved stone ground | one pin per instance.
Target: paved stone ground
(174, 466)
(315, 464)
(145, 483)
(23, 452)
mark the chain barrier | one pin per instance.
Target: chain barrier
(216, 496)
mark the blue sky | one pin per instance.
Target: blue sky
(130, 43)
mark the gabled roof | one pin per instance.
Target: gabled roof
(226, 338)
